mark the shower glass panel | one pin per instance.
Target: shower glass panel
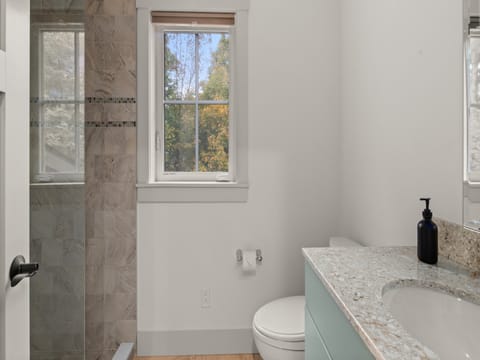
(57, 215)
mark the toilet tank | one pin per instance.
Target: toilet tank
(338, 241)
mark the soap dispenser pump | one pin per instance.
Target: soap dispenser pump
(427, 237)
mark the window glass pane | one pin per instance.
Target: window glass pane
(213, 138)
(59, 65)
(81, 65)
(179, 66)
(214, 62)
(179, 138)
(59, 138)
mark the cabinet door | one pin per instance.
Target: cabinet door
(314, 347)
(340, 338)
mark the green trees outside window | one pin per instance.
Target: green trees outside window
(196, 101)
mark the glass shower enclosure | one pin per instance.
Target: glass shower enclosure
(57, 214)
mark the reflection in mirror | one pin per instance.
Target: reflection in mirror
(471, 213)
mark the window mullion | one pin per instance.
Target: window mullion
(197, 67)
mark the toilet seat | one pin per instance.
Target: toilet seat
(281, 323)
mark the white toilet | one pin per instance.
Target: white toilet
(279, 326)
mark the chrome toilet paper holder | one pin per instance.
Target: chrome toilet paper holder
(239, 254)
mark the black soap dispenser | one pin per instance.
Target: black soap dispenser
(427, 237)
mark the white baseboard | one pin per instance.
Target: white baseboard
(195, 342)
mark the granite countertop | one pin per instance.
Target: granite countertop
(357, 277)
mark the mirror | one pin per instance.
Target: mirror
(471, 191)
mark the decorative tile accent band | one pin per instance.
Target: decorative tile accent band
(111, 100)
(88, 100)
(44, 124)
(37, 100)
(93, 124)
(107, 124)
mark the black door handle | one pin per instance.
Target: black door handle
(20, 270)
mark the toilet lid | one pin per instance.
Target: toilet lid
(282, 319)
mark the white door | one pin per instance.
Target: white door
(14, 175)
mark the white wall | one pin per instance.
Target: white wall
(474, 7)
(401, 116)
(400, 139)
(294, 168)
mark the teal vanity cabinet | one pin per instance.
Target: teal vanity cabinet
(328, 333)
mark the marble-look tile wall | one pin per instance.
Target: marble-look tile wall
(110, 175)
(63, 8)
(57, 242)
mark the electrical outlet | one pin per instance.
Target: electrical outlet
(205, 298)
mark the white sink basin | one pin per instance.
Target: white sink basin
(448, 325)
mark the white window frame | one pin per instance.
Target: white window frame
(161, 174)
(183, 187)
(40, 175)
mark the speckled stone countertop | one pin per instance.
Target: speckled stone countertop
(357, 277)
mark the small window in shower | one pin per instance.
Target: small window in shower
(57, 113)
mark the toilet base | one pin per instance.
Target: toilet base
(269, 352)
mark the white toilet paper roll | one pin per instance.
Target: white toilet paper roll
(249, 261)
